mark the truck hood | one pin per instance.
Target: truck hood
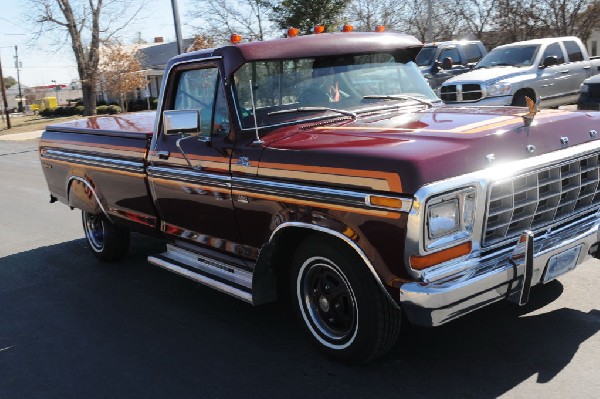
(488, 75)
(431, 145)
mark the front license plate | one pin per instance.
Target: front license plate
(562, 263)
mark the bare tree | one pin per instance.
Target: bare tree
(86, 24)
(305, 14)
(201, 42)
(570, 17)
(368, 14)
(249, 18)
(475, 16)
(443, 22)
(121, 71)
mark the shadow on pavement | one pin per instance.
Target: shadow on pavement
(71, 326)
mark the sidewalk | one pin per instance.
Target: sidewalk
(22, 136)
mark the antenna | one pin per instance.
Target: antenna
(258, 141)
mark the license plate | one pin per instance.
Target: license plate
(562, 263)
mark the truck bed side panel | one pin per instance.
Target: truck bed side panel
(106, 167)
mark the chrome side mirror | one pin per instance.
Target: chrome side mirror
(181, 122)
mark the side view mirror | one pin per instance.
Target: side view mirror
(550, 61)
(435, 68)
(176, 122)
(447, 63)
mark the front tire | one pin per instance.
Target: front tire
(107, 241)
(343, 308)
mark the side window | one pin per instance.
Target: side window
(473, 52)
(202, 89)
(554, 50)
(452, 53)
(573, 51)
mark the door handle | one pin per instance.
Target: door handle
(163, 155)
(565, 71)
(587, 67)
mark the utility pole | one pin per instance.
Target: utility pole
(429, 26)
(4, 97)
(20, 107)
(177, 26)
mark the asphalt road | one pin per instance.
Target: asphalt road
(73, 327)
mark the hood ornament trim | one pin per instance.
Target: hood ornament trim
(533, 110)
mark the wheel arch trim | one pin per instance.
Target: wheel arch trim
(346, 240)
(86, 183)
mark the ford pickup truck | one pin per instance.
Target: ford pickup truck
(325, 165)
(547, 70)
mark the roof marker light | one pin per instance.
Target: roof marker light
(379, 28)
(319, 29)
(235, 38)
(293, 32)
(347, 28)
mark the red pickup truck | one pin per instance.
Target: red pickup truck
(326, 164)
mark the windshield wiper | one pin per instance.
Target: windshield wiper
(313, 109)
(399, 97)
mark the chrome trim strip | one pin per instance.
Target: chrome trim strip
(192, 176)
(290, 190)
(342, 237)
(86, 183)
(94, 160)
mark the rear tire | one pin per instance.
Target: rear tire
(107, 241)
(342, 307)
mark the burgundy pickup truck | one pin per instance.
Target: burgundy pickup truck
(326, 165)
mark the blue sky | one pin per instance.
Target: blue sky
(43, 62)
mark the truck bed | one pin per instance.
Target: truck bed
(103, 157)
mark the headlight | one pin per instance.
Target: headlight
(450, 218)
(585, 88)
(497, 89)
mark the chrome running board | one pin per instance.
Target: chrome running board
(220, 276)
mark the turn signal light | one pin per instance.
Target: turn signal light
(235, 38)
(385, 202)
(319, 29)
(379, 28)
(423, 262)
(347, 28)
(293, 32)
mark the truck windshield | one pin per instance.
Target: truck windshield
(519, 56)
(425, 56)
(346, 82)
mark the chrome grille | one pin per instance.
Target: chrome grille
(540, 198)
(461, 93)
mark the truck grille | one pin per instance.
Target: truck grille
(540, 198)
(461, 93)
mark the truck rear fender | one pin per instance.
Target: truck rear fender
(276, 254)
(81, 194)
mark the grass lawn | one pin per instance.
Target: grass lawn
(23, 123)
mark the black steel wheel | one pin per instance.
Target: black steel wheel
(340, 303)
(107, 241)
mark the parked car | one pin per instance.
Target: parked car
(326, 165)
(590, 94)
(550, 69)
(442, 60)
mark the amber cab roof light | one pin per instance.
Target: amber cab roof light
(379, 28)
(347, 28)
(319, 29)
(235, 38)
(292, 32)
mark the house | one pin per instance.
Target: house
(593, 44)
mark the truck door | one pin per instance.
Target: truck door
(579, 69)
(189, 173)
(553, 79)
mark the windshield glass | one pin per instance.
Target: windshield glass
(425, 56)
(518, 56)
(340, 82)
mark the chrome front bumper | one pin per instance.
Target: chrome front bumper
(505, 274)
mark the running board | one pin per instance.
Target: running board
(220, 276)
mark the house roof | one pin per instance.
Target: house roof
(157, 56)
